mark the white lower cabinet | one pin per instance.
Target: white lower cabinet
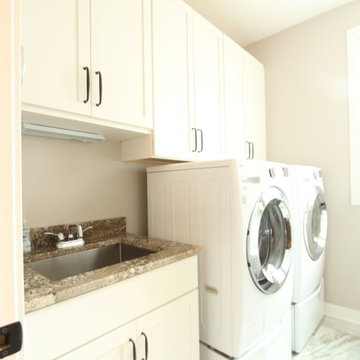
(165, 333)
(156, 311)
(171, 331)
(116, 345)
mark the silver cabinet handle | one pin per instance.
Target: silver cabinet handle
(248, 157)
(86, 68)
(146, 346)
(202, 140)
(134, 348)
(252, 150)
(100, 87)
(195, 133)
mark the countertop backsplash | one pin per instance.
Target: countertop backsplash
(101, 230)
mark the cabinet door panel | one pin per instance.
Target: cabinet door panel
(207, 97)
(234, 99)
(51, 31)
(171, 79)
(171, 331)
(244, 104)
(119, 46)
(113, 346)
(255, 120)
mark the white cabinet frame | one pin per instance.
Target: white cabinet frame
(353, 53)
(58, 329)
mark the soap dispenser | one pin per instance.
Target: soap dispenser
(26, 236)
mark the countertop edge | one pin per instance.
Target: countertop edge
(41, 292)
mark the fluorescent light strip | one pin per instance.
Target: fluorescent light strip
(60, 133)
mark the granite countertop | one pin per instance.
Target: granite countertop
(41, 291)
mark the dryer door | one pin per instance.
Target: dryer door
(269, 241)
(315, 224)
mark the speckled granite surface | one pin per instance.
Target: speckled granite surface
(41, 292)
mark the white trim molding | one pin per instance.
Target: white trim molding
(353, 60)
(342, 313)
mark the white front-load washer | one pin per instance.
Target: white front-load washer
(238, 212)
(310, 230)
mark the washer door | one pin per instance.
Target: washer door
(269, 241)
(315, 224)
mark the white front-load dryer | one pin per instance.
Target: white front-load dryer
(238, 212)
(310, 229)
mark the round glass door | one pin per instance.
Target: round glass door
(315, 224)
(269, 241)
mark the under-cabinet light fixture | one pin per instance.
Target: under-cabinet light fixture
(60, 133)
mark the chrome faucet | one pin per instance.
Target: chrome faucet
(74, 238)
(72, 232)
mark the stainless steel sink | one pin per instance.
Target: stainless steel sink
(60, 267)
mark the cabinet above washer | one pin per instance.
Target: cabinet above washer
(89, 62)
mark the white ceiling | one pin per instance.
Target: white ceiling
(247, 21)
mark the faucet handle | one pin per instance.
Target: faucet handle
(81, 230)
(88, 228)
(60, 235)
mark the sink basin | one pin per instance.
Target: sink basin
(60, 267)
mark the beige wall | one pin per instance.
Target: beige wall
(69, 181)
(307, 123)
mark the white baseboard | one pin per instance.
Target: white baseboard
(342, 313)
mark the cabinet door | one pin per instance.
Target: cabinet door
(115, 345)
(54, 74)
(234, 99)
(121, 61)
(171, 331)
(171, 76)
(207, 41)
(254, 100)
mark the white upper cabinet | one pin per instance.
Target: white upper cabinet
(254, 106)
(244, 104)
(88, 57)
(146, 67)
(187, 74)
(54, 78)
(121, 61)
(171, 77)
(233, 99)
(207, 74)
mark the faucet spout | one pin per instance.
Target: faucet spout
(73, 229)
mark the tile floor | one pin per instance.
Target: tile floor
(333, 340)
